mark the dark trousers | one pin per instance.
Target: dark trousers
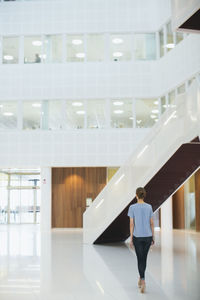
(142, 245)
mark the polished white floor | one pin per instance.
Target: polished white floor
(58, 266)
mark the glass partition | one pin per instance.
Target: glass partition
(145, 46)
(163, 104)
(8, 115)
(179, 37)
(33, 49)
(120, 47)
(181, 89)
(147, 112)
(171, 99)
(190, 81)
(161, 39)
(75, 48)
(31, 114)
(189, 203)
(170, 41)
(53, 49)
(96, 114)
(52, 117)
(121, 113)
(95, 47)
(75, 114)
(10, 50)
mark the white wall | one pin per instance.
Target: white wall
(86, 80)
(179, 64)
(45, 219)
(110, 147)
(31, 17)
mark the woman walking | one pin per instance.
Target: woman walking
(141, 232)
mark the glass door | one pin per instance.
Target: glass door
(19, 198)
(3, 198)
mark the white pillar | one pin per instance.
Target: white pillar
(166, 215)
(45, 219)
(166, 243)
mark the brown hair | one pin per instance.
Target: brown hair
(141, 193)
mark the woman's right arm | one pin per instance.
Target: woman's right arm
(131, 231)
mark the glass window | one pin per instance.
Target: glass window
(163, 104)
(145, 46)
(181, 89)
(120, 47)
(161, 38)
(75, 48)
(75, 114)
(147, 112)
(52, 49)
(121, 113)
(10, 50)
(179, 37)
(170, 41)
(8, 115)
(31, 114)
(96, 114)
(95, 47)
(52, 114)
(33, 49)
(172, 97)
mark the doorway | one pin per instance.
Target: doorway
(20, 196)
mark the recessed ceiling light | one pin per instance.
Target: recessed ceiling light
(155, 111)
(117, 54)
(77, 42)
(153, 116)
(118, 111)
(36, 104)
(80, 55)
(80, 112)
(156, 102)
(77, 103)
(170, 46)
(118, 103)
(37, 43)
(8, 57)
(8, 114)
(117, 41)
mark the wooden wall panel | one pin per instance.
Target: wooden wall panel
(178, 209)
(197, 199)
(70, 188)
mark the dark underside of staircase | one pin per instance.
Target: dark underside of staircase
(166, 181)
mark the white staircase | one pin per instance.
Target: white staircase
(178, 125)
